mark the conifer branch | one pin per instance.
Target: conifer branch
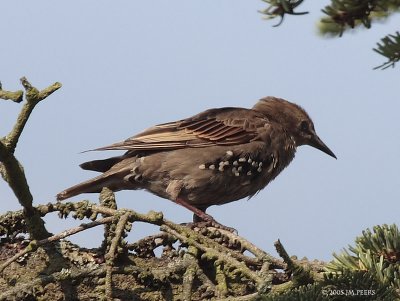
(389, 48)
(280, 8)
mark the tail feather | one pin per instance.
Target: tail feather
(101, 165)
(116, 177)
(92, 185)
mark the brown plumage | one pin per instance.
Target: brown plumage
(215, 157)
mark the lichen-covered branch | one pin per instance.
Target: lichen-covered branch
(33, 97)
(107, 199)
(33, 245)
(212, 266)
(14, 175)
(10, 168)
(112, 253)
(300, 274)
(16, 96)
(214, 252)
(261, 255)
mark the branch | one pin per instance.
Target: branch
(33, 245)
(258, 253)
(215, 252)
(107, 199)
(33, 97)
(10, 168)
(206, 247)
(389, 48)
(16, 96)
(63, 275)
(189, 276)
(111, 255)
(301, 275)
(13, 173)
(345, 14)
(280, 8)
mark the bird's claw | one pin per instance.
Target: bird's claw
(210, 223)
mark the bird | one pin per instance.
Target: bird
(216, 157)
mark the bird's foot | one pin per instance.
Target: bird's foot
(202, 224)
(202, 219)
(217, 225)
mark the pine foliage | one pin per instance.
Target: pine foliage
(367, 271)
(343, 15)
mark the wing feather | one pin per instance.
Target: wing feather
(225, 126)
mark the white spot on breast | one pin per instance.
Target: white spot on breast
(229, 153)
(202, 166)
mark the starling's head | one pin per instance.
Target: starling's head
(294, 119)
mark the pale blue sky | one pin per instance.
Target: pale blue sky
(128, 65)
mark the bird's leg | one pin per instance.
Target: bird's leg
(197, 212)
(201, 217)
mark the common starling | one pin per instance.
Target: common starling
(215, 157)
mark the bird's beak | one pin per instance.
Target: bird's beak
(317, 143)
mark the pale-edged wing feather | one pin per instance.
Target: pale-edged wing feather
(224, 126)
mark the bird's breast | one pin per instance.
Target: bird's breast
(214, 175)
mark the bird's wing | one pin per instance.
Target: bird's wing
(224, 126)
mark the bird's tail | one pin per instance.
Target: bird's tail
(114, 179)
(92, 185)
(102, 165)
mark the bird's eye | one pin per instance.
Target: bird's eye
(304, 127)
